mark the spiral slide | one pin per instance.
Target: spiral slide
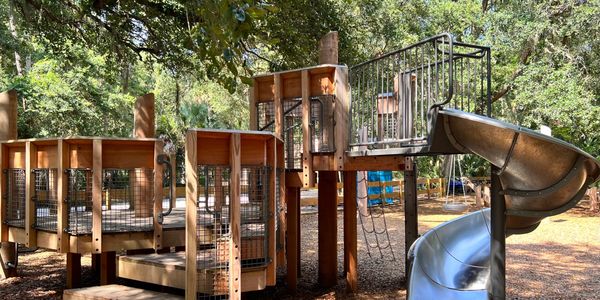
(540, 176)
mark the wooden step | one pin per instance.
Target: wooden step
(168, 269)
(115, 291)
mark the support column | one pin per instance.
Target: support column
(327, 228)
(497, 283)
(350, 234)
(96, 264)
(293, 237)
(108, 268)
(411, 228)
(73, 270)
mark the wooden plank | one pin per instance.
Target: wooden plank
(46, 240)
(350, 232)
(308, 175)
(114, 291)
(158, 194)
(108, 267)
(17, 235)
(8, 115)
(30, 211)
(281, 244)
(16, 157)
(374, 163)
(322, 83)
(278, 107)
(97, 197)
(265, 89)
(293, 179)
(46, 156)
(218, 154)
(61, 195)
(293, 239)
(235, 262)
(327, 225)
(191, 156)
(73, 270)
(80, 155)
(292, 85)
(254, 152)
(341, 116)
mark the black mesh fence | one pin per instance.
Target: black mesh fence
(14, 197)
(45, 199)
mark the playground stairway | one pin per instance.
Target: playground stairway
(540, 176)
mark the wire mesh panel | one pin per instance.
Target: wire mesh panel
(322, 124)
(128, 196)
(265, 116)
(14, 197)
(44, 198)
(254, 210)
(292, 133)
(212, 230)
(79, 201)
(392, 95)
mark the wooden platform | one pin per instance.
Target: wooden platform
(169, 270)
(115, 291)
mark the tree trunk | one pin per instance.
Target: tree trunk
(13, 32)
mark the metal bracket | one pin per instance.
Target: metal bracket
(509, 154)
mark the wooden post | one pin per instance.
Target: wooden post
(328, 48)
(173, 159)
(97, 196)
(143, 117)
(252, 91)
(8, 115)
(96, 264)
(158, 194)
(73, 270)
(327, 225)
(350, 234)
(411, 229)
(293, 240)
(108, 262)
(278, 105)
(593, 194)
(341, 116)
(191, 195)
(235, 242)
(61, 196)
(30, 210)
(272, 162)
(308, 175)
(3, 204)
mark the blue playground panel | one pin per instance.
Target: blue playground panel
(456, 186)
(379, 176)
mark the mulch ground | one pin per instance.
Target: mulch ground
(560, 260)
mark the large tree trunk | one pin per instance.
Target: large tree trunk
(13, 32)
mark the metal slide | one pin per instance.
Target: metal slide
(541, 176)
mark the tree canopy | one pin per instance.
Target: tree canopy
(78, 64)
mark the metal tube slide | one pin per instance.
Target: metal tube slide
(540, 176)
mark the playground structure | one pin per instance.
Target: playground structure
(101, 196)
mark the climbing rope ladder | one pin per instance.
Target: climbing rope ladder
(373, 222)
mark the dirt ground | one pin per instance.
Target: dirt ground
(560, 260)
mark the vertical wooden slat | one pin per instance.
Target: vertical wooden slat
(411, 229)
(308, 176)
(235, 266)
(73, 270)
(61, 195)
(3, 226)
(350, 234)
(252, 91)
(293, 206)
(191, 195)
(158, 194)
(272, 162)
(30, 164)
(97, 196)
(282, 205)
(327, 224)
(341, 115)
(277, 105)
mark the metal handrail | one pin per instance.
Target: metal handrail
(164, 160)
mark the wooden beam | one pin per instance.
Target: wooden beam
(272, 248)
(158, 194)
(278, 107)
(108, 267)
(328, 48)
(143, 117)
(30, 211)
(61, 195)
(235, 261)
(341, 116)
(374, 163)
(293, 239)
(3, 204)
(97, 196)
(280, 165)
(411, 229)
(252, 97)
(191, 194)
(73, 270)
(308, 175)
(350, 234)
(8, 115)
(327, 225)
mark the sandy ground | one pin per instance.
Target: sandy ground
(560, 260)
